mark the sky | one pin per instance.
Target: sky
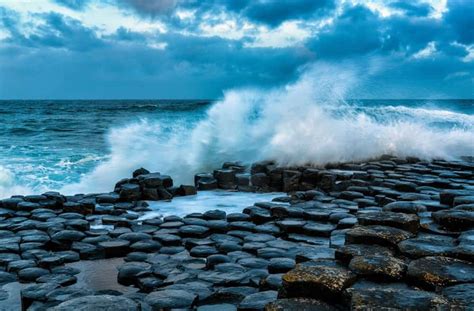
(188, 49)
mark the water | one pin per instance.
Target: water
(85, 146)
(49, 144)
(228, 201)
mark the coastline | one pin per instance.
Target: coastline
(390, 232)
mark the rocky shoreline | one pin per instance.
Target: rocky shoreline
(388, 233)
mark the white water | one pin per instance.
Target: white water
(8, 184)
(292, 125)
(230, 202)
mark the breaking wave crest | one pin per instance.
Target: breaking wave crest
(307, 121)
(8, 185)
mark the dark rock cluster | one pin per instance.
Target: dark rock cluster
(148, 186)
(389, 233)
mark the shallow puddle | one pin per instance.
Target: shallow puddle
(100, 275)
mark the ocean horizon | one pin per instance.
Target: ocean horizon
(60, 144)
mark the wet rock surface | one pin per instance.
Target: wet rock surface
(397, 299)
(388, 233)
(433, 272)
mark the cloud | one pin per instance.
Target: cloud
(274, 12)
(412, 8)
(460, 16)
(57, 31)
(55, 55)
(151, 7)
(73, 4)
(355, 32)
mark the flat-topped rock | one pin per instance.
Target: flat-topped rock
(455, 219)
(408, 222)
(170, 299)
(6, 277)
(115, 248)
(378, 267)
(318, 229)
(433, 272)
(99, 302)
(347, 252)
(257, 301)
(305, 304)
(461, 295)
(427, 245)
(194, 231)
(31, 274)
(281, 265)
(382, 235)
(396, 299)
(321, 281)
(223, 278)
(68, 236)
(129, 272)
(468, 199)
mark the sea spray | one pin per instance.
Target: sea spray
(304, 122)
(9, 186)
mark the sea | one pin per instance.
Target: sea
(85, 146)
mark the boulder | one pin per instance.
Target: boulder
(205, 181)
(164, 194)
(291, 180)
(150, 194)
(155, 180)
(140, 171)
(260, 180)
(225, 178)
(130, 192)
(261, 167)
(187, 190)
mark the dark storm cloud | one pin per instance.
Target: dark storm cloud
(123, 64)
(274, 12)
(268, 12)
(460, 17)
(355, 32)
(63, 58)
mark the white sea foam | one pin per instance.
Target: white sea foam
(8, 186)
(291, 124)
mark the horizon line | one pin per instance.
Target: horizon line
(198, 99)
